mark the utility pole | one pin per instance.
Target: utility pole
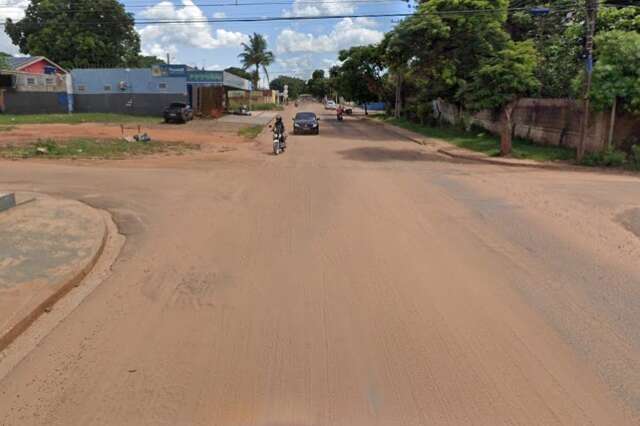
(590, 24)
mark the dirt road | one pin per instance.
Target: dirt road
(358, 279)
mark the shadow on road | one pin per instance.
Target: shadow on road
(377, 154)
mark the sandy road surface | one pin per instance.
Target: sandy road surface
(356, 280)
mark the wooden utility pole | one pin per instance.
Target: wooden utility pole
(590, 24)
(612, 123)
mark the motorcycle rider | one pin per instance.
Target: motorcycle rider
(278, 127)
(339, 112)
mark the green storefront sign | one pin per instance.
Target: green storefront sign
(204, 77)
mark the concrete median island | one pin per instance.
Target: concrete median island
(47, 246)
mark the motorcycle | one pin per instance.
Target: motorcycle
(279, 142)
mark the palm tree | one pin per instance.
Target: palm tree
(256, 54)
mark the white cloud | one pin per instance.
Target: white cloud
(328, 63)
(219, 15)
(13, 9)
(346, 33)
(299, 66)
(160, 39)
(333, 7)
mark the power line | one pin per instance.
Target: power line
(265, 3)
(259, 3)
(325, 17)
(310, 18)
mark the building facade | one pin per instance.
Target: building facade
(135, 91)
(34, 85)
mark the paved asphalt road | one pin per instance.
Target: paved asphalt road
(358, 279)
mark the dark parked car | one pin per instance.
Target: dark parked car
(178, 112)
(306, 122)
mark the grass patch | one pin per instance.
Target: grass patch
(250, 132)
(91, 148)
(485, 142)
(76, 118)
(266, 107)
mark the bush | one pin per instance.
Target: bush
(635, 151)
(607, 158)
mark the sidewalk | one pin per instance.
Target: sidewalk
(453, 151)
(47, 246)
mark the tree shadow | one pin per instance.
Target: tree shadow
(379, 154)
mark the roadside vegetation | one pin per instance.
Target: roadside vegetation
(476, 61)
(250, 132)
(76, 118)
(481, 141)
(266, 107)
(91, 148)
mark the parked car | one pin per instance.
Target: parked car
(306, 122)
(330, 105)
(178, 112)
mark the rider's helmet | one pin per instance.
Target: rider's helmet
(278, 118)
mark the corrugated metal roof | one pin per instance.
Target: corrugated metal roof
(16, 62)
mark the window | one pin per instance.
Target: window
(81, 87)
(31, 81)
(107, 88)
(162, 86)
(50, 81)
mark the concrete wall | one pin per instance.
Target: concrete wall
(549, 122)
(29, 82)
(125, 81)
(34, 102)
(125, 103)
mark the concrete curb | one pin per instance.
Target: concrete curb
(397, 130)
(70, 282)
(489, 160)
(480, 158)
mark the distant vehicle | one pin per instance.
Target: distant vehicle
(330, 105)
(178, 112)
(306, 122)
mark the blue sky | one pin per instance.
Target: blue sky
(299, 46)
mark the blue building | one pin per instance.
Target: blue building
(145, 91)
(137, 91)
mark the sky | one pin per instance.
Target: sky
(299, 46)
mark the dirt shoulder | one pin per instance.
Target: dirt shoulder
(202, 133)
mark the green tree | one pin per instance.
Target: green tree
(558, 39)
(143, 61)
(396, 52)
(240, 73)
(77, 33)
(256, 55)
(447, 47)
(318, 84)
(618, 18)
(501, 81)
(296, 85)
(616, 74)
(359, 77)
